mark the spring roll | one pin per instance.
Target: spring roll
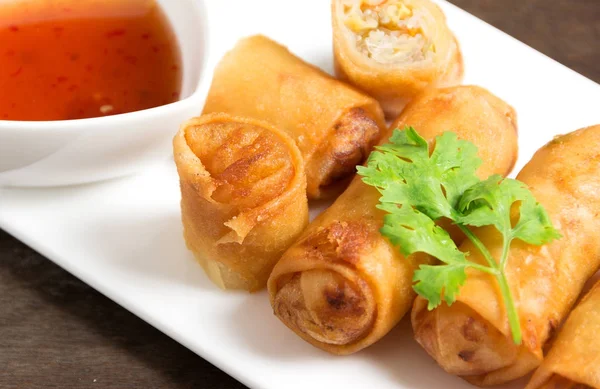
(394, 49)
(343, 286)
(334, 125)
(243, 196)
(573, 362)
(472, 338)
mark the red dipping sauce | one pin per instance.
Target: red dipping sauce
(75, 59)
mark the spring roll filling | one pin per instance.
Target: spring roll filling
(388, 31)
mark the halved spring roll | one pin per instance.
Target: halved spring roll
(472, 338)
(574, 360)
(334, 126)
(343, 286)
(243, 196)
(394, 49)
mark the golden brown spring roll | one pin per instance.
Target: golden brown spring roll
(243, 196)
(334, 126)
(472, 338)
(394, 49)
(574, 360)
(343, 286)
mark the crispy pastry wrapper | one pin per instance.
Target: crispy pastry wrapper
(343, 286)
(395, 83)
(472, 337)
(574, 360)
(243, 196)
(334, 126)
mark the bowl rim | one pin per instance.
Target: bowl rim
(200, 10)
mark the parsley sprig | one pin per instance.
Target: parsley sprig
(418, 186)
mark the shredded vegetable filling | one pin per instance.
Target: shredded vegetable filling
(388, 31)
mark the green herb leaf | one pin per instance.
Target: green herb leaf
(406, 173)
(433, 282)
(490, 202)
(534, 225)
(419, 186)
(412, 231)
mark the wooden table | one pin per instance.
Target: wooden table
(57, 332)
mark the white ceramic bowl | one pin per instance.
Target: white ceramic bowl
(80, 151)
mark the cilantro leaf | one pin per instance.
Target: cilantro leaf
(457, 161)
(418, 186)
(413, 231)
(405, 172)
(534, 225)
(490, 202)
(433, 282)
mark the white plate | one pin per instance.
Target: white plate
(124, 237)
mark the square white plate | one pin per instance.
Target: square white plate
(124, 238)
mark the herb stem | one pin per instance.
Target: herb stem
(484, 269)
(511, 310)
(505, 248)
(480, 246)
(497, 269)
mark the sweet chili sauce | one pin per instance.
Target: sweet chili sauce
(74, 59)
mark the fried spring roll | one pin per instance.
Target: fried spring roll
(574, 360)
(472, 338)
(334, 125)
(243, 196)
(394, 49)
(343, 286)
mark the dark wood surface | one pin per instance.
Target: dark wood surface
(57, 332)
